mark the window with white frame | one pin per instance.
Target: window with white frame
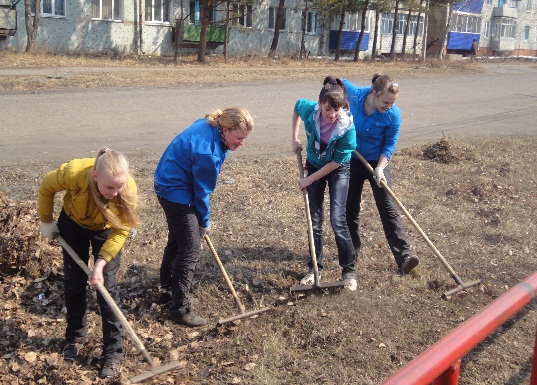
(195, 12)
(158, 10)
(311, 20)
(50, 7)
(501, 3)
(386, 24)
(488, 29)
(528, 5)
(489, 2)
(466, 23)
(273, 13)
(514, 3)
(244, 14)
(527, 33)
(503, 27)
(414, 23)
(105, 9)
(354, 22)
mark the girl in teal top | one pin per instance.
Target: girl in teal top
(331, 138)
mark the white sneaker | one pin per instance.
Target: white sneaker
(309, 279)
(351, 284)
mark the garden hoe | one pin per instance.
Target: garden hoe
(462, 285)
(155, 370)
(243, 314)
(317, 284)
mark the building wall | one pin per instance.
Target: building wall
(78, 33)
(489, 45)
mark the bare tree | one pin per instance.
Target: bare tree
(416, 33)
(205, 14)
(32, 24)
(277, 26)
(364, 7)
(380, 6)
(405, 33)
(395, 28)
(340, 30)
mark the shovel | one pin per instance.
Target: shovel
(316, 283)
(244, 313)
(155, 370)
(462, 285)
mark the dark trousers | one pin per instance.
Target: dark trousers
(338, 184)
(181, 254)
(75, 284)
(389, 215)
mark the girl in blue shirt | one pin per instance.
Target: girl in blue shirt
(377, 120)
(330, 142)
(185, 177)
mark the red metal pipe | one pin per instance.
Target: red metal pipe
(450, 376)
(533, 379)
(429, 365)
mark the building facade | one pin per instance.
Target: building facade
(501, 27)
(149, 27)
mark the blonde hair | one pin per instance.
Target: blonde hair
(234, 118)
(384, 82)
(115, 163)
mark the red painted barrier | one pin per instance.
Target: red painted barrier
(444, 354)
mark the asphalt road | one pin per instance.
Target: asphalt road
(59, 125)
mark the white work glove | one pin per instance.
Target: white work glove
(203, 231)
(379, 175)
(49, 230)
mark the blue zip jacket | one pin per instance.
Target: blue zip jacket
(188, 169)
(377, 133)
(342, 142)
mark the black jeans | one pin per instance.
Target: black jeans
(75, 284)
(181, 254)
(389, 215)
(338, 184)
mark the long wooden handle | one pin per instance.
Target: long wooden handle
(308, 219)
(108, 298)
(414, 223)
(221, 266)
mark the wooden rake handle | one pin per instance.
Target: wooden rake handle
(414, 223)
(223, 270)
(308, 219)
(108, 298)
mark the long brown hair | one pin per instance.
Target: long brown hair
(116, 164)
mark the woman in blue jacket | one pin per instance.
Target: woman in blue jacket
(185, 177)
(330, 142)
(377, 120)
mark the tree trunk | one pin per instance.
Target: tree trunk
(375, 34)
(340, 32)
(416, 33)
(425, 29)
(302, 52)
(179, 31)
(449, 11)
(362, 30)
(277, 24)
(32, 25)
(202, 49)
(394, 32)
(407, 27)
(226, 39)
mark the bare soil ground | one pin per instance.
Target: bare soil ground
(35, 71)
(476, 201)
